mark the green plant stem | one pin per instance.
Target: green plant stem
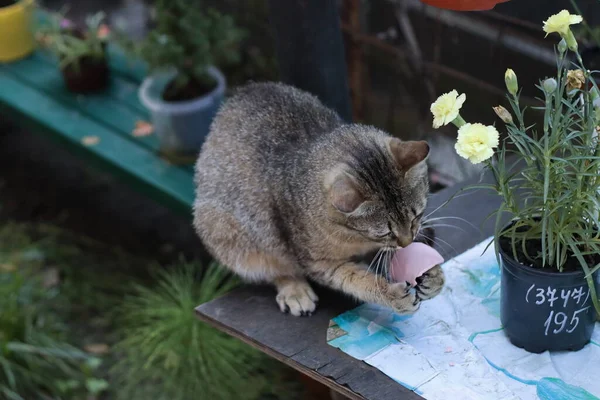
(588, 276)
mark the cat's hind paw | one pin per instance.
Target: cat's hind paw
(297, 298)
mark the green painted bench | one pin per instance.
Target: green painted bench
(33, 95)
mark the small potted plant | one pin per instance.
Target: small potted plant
(16, 37)
(81, 52)
(550, 251)
(185, 89)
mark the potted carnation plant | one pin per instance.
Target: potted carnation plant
(550, 251)
(185, 89)
(16, 37)
(81, 52)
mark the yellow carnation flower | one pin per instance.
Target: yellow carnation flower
(561, 22)
(446, 108)
(476, 142)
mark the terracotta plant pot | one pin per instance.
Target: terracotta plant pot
(543, 309)
(464, 5)
(91, 76)
(16, 37)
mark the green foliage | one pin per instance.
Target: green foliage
(188, 38)
(554, 194)
(257, 51)
(586, 33)
(158, 356)
(166, 353)
(70, 44)
(36, 362)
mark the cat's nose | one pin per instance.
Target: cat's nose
(404, 240)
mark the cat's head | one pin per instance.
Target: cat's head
(379, 193)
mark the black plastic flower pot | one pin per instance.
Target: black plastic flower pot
(545, 310)
(90, 76)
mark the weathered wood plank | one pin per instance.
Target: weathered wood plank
(113, 107)
(251, 315)
(168, 184)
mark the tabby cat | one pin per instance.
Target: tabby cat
(286, 191)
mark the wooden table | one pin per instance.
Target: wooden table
(251, 314)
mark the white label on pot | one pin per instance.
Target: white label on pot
(559, 321)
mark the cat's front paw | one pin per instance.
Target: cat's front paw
(298, 298)
(402, 299)
(431, 283)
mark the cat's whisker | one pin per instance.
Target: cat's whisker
(426, 220)
(444, 226)
(458, 196)
(378, 272)
(373, 261)
(377, 277)
(440, 241)
(388, 264)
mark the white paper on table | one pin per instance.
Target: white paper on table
(454, 346)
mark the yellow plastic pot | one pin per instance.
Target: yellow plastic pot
(16, 36)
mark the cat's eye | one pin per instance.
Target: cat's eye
(389, 234)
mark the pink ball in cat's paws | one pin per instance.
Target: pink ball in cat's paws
(413, 261)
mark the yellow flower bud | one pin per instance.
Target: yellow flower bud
(503, 114)
(512, 85)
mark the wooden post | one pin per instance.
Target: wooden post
(351, 20)
(310, 50)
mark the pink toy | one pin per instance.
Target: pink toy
(413, 261)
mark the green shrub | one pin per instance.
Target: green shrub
(35, 360)
(188, 38)
(166, 353)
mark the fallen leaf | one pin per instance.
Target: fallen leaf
(143, 128)
(7, 268)
(97, 348)
(90, 140)
(51, 278)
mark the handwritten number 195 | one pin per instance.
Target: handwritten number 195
(560, 320)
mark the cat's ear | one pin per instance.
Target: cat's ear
(343, 192)
(408, 154)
